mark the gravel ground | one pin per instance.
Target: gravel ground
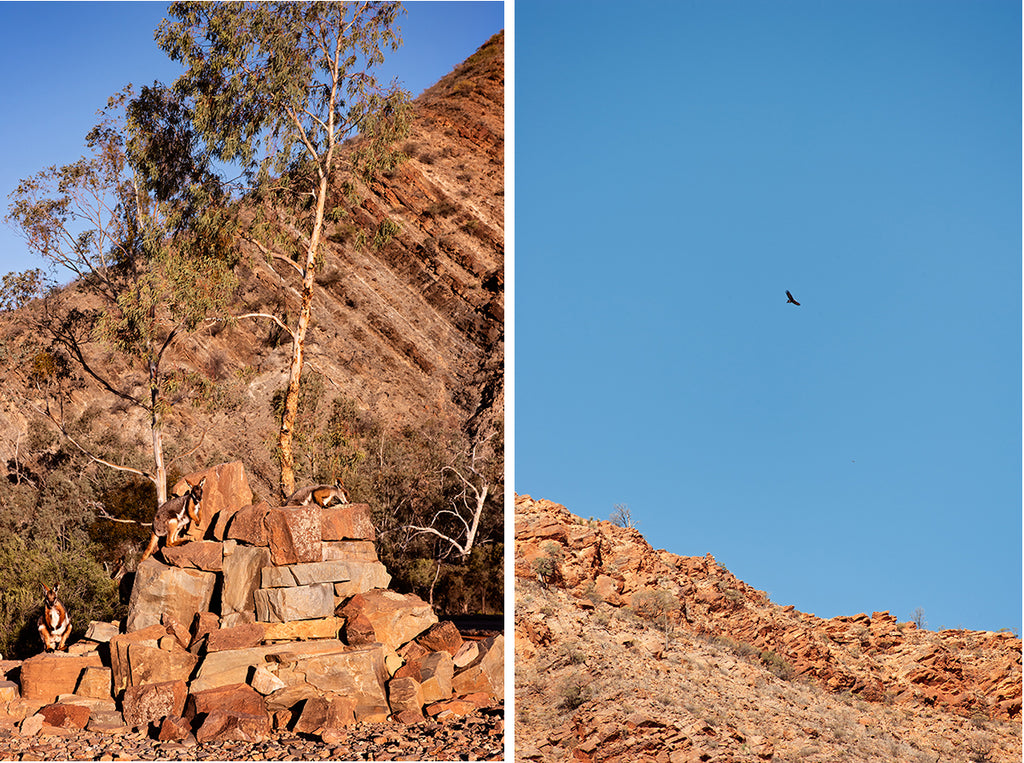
(475, 737)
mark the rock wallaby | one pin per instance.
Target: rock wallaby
(54, 623)
(322, 495)
(173, 518)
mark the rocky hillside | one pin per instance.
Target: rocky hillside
(624, 652)
(408, 324)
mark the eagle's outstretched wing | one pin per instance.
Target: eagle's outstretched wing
(791, 298)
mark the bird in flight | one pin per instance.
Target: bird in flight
(791, 299)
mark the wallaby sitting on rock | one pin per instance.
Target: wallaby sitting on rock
(54, 623)
(322, 495)
(173, 518)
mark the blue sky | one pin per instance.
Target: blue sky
(63, 60)
(678, 167)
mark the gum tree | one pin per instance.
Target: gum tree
(148, 265)
(276, 88)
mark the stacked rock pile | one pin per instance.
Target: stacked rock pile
(268, 618)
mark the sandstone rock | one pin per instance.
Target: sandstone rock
(221, 726)
(360, 575)
(265, 682)
(149, 665)
(101, 632)
(68, 716)
(226, 487)
(437, 672)
(47, 676)
(468, 653)
(242, 565)
(234, 698)
(349, 522)
(486, 674)
(248, 525)
(359, 630)
(451, 708)
(105, 721)
(203, 624)
(177, 629)
(349, 551)
(8, 691)
(174, 729)
(326, 715)
(238, 637)
(151, 702)
(234, 666)
(294, 534)
(201, 555)
(95, 682)
(396, 618)
(160, 589)
(356, 672)
(407, 717)
(119, 652)
(303, 630)
(313, 717)
(441, 637)
(405, 694)
(298, 603)
(32, 725)
(372, 713)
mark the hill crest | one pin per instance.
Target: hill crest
(702, 660)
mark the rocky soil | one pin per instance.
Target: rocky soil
(624, 652)
(478, 736)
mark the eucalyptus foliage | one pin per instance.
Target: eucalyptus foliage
(276, 88)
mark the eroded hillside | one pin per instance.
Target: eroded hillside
(408, 324)
(624, 653)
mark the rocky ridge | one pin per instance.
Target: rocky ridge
(722, 673)
(268, 623)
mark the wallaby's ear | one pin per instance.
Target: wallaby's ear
(200, 483)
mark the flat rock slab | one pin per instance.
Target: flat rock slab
(372, 574)
(200, 555)
(279, 605)
(294, 534)
(303, 630)
(151, 702)
(237, 637)
(160, 589)
(348, 522)
(47, 676)
(241, 577)
(349, 551)
(234, 665)
(357, 673)
(396, 618)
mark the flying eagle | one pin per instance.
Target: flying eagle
(791, 299)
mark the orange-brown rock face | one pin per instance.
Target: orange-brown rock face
(610, 583)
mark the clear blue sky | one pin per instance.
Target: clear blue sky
(678, 167)
(63, 60)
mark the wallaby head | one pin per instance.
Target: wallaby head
(50, 595)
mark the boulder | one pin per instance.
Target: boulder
(396, 618)
(101, 632)
(349, 551)
(298, 603)
(487, 673)
(226, 487)
(95, 682)
(357, 673)
(221, 725)
(450, 708)
(359, 630)
(303, 630)
(235, 665)
(160, 589)
(238, 637)
(174, 729)
(9, 691)
(203, 624)
(436, 674)
(67, 716)
(264, 682)
(294, 534)
(348, 522)
(366, 575)
(150, 702)
(405, 694)
(249, 526)
(200, 555)
(119, 652)
(152, 665)
(234, 698)
(47, 676)
(441, 637)
(177, 629)
(241, 577)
